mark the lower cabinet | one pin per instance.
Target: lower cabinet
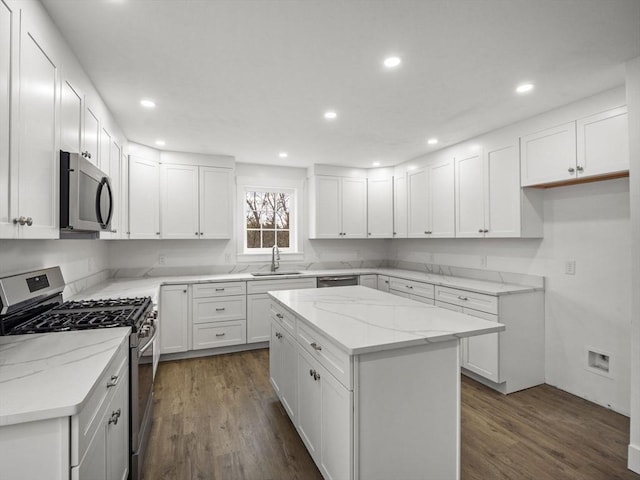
(370, 281)
(283, 368)
(418, 291)
(218, 320)
(174, 319)
(383, 283)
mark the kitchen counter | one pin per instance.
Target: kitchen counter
(149, 286)
(51, 375)
(363, 320)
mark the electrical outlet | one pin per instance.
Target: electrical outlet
(227, 258)
(162, 259)
(570, 267)
(483, 261)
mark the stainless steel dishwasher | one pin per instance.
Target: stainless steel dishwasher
(337, 281)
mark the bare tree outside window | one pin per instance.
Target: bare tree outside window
(268, 217)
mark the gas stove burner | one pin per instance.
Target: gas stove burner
(53, 321)
(103, 303)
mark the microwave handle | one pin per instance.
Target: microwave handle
(104, 183)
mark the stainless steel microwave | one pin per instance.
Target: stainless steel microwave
(86, 198)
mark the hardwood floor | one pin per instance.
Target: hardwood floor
(217, 418)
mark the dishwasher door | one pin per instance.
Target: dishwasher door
(337, 281)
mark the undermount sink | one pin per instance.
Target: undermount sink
(269, 274)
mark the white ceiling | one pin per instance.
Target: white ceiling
(251, 78)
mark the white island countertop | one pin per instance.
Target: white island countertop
(363, 320)
(51, 375)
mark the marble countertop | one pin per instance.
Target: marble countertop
(51, 375)
(363, 320)
(149, 286)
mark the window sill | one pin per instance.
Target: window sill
(266, 257)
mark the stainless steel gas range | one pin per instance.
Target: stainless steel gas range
(32, 303)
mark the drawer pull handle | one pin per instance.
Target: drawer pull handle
(220, 334)
(220, 309)
(278, 335)
(460, 297)
(114, 417)
(279, 315)
(316, 347)
(311, 372)
(219, 289)
(316, 376)
(409, 286)
(113, 381)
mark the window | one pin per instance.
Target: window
(269, 217)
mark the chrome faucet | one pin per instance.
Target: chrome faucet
(275, 256)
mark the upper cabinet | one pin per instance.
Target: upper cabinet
(431, 200)
(144, 198)
(489, 200)
(338, 207)
(36, 210)
(591, 147)
(400, 206)
(91, 136)
(8, 83)
(380, 207)
(70, 117)
(195, 202)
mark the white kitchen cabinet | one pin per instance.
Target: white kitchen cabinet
(219, 316)
(309, 423)
(179, 201)
(259, 304)
(195, 202)
(338, 207)
(441, 202)
(70, 118)
(489, 200)
(174, 319)
(370, 281)
(8, 85)
(104, 157)
(144, 198)
(91, 136)
(418, 204)
(590, 147)
(507, 361)
(380, 207)
(283, 368)
(602, 143)
(419, 291)
(400, 206)
(37, 189)
(383, 283)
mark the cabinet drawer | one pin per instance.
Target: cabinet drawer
(420, 289)
(219, 309)
(330, 356)
(264, 286)
(283, 317)
(219, 334)
(220, 289)
(428, 301)
(85, 423)
(466, 299)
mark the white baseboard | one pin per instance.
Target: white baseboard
(634, 458)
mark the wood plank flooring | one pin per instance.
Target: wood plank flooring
(217, 418)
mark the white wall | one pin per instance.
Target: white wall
(589, 224)
(633, 103)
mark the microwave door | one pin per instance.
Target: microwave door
(104, 203)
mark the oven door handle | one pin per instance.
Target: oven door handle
(148, 344)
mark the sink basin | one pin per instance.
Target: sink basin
(271, 274)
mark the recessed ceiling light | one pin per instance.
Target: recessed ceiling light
(283, 154)
(330, 115)
(161, 143)
(524, 88)
(376, 164)
(392, 62)
(147, 103)
(432, 141)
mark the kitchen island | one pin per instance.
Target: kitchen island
(371, 381)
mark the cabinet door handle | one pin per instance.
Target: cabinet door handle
(460, 297)
(316, 376)
(220, 309)
(196, 234)
(184, 291)
(113, 381)
(409, 286)
(571, 170)
(316, 347)
(220, 334)
(279, 315)
(311, 372)
(481, 230)
(580, 169)
(115, 415)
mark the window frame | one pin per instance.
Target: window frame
(293, 219)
